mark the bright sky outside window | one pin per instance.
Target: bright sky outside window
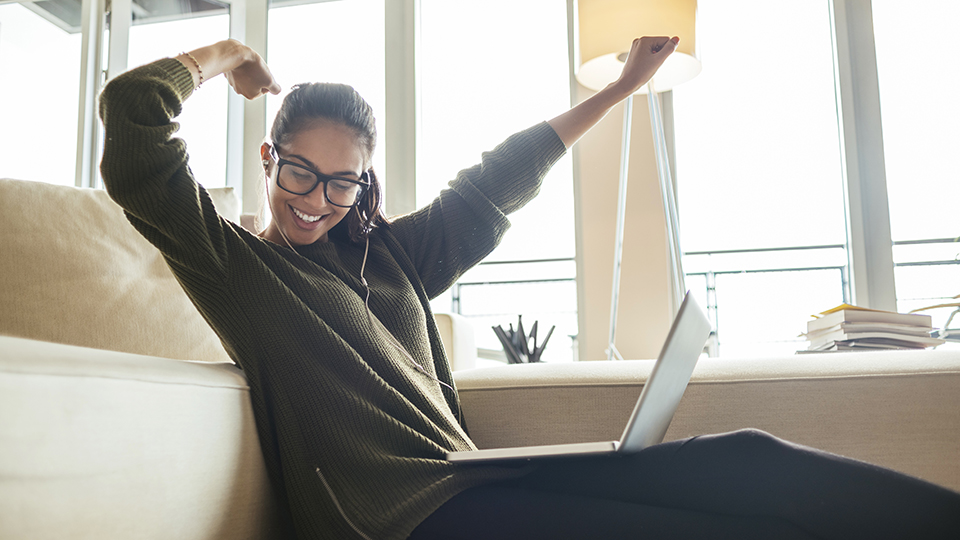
(758, 166)
(39, 96)
(203, 122)
(920, 114)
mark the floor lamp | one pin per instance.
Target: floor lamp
(607, 27)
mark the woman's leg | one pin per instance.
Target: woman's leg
(507, 512)
(751, 473)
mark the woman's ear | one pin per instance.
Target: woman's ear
(265, 156)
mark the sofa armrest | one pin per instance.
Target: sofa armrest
(898, 409)
(99, 444)
(456, 332)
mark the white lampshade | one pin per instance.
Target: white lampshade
(608, 27)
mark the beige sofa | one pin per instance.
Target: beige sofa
(121, 416)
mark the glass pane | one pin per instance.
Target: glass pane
(340, 42)
(759, 171)
(920, 113)
(39, 97)
(763, 314)
(503, 75)
(545, 303)
(924, 286)
(758, 161)
(482, 90)
(203, 121)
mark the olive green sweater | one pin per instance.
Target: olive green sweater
(353, 434)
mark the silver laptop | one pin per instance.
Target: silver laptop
(654, 410)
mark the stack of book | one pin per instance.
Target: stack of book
(851, 328)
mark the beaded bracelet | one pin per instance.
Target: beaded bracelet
(199, 70)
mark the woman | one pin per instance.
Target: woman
(327, 311)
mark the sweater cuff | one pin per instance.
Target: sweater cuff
(180, 77)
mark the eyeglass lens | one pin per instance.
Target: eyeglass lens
(301, 181)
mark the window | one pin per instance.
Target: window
(920, 114)
(203, 121)
(40, 95)
(481, 82)
(757, 144)
(759, 172)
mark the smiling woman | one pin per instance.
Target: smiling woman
(307, 203)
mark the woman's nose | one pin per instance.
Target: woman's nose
(316, 198)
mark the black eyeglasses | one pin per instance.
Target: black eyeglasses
(299, 180)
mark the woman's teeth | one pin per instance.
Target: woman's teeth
(306, 217)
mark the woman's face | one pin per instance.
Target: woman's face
(325, 147)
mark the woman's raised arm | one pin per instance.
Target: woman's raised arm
(244, 69)
(646, 56)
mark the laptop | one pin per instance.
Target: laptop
(654, 409)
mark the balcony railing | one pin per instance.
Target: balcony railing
(758, 299)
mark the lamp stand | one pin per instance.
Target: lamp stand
(621, 217)
(670, 212)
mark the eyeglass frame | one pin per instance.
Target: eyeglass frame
(321, 179)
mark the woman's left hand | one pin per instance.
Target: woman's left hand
(646, 55)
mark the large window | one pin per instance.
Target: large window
(757, 137)
(920, 115)
(203, 121)
(39, 97)
(489, 69)
(759, 172)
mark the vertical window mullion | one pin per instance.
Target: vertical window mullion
(869, 244)
(401, 22)
(235, 110)
(121, 17)
(255, 13)
(93, 23)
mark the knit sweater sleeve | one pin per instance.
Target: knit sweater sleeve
(145, 170)
(466, 221)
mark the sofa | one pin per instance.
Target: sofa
(121, 416)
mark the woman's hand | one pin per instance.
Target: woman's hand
(244, 69)
(252, 78)
(646, 56)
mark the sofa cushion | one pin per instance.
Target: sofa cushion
(76, 272)
(99, 444)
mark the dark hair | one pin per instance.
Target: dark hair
(338, 103)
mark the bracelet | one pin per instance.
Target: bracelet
(199, 70)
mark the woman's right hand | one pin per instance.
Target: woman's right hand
(244, 69)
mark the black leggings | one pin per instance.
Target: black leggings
(740, 485)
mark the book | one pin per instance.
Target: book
(851, 328)
(851, 314)
(869, 344)
(877, 339)
(859, 327)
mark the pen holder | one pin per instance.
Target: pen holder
(518, 346)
